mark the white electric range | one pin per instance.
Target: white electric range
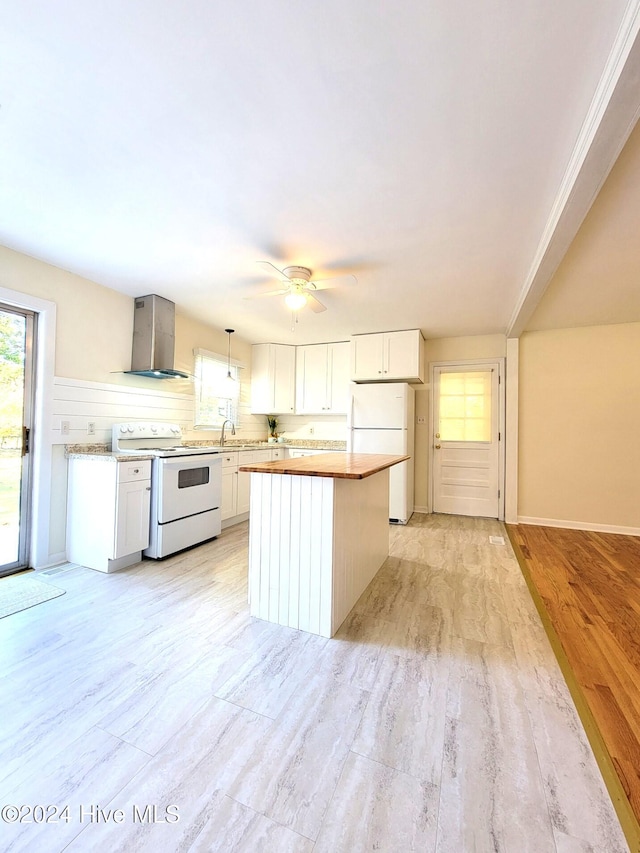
(186, 485)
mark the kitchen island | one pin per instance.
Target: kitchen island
(318, 533)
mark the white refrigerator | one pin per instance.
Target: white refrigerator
(381, 420)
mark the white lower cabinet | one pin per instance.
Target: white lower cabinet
(236, 485)
(108, 504)
(229, 484)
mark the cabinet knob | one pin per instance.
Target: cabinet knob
(148, 489)
(379, 371)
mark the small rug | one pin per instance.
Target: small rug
(19, 592)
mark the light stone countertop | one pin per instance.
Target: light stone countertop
(104, 452)
(107, 456)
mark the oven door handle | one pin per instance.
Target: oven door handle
(190, 461)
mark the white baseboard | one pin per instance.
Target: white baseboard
(235, 519)
(421, 509)
(579, 525)
(52, 561)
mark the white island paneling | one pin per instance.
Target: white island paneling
(315, 543)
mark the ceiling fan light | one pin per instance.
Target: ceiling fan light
(295, 300)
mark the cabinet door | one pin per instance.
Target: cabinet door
(246, 457)
(244, 492)
(311, 380)
(261, 380)
(338, 378)
(284, 378)
(402, 355)
(272, 379)
(367, 357)
(229, 490)
(132, 517)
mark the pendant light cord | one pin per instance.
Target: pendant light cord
(229, 333)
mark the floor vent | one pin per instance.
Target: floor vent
(496, 540)
(58, 570)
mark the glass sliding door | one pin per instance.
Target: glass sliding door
(17, 336)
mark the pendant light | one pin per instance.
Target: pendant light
(230, 379)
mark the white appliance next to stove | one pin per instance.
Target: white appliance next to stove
(186, 485)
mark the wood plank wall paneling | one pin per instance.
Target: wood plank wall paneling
(361, 516)
(79, 402)
(290, 551)
(587, 588)
(315, 543)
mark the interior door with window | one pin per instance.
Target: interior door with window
(467, 415)
(17, 336)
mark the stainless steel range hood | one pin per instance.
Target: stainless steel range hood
(154, 321)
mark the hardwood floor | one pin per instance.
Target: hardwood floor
(436, 720)
(589, 584)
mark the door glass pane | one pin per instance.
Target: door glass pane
(465, 406)
(12, 356)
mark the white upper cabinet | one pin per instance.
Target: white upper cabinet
(322, 379)
(388, 357)
(273, 376)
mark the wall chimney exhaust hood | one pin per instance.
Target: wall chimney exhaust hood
(154, 321)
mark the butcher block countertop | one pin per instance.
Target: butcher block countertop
(341, 466)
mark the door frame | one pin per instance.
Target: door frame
(41, 439)
(26, 461)
(497, 364)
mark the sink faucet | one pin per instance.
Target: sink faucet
(233, 431)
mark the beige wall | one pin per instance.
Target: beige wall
(444, 349)
(94, 326)
(94, 323)
(579, 425)
(467, 348)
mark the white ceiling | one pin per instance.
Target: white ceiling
(163, 147)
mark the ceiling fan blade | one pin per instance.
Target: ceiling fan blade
(271, 269)
(314, 303)
(337, 281)
(279, 292)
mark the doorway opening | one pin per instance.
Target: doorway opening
(17, 352)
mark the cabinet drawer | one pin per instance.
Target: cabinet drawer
(128, 472)
(245, 457)
(229, 460)
(278, 453)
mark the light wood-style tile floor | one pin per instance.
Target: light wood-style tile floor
(436, 720)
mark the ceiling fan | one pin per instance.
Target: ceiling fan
(299, 289)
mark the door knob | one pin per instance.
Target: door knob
(437, 447)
